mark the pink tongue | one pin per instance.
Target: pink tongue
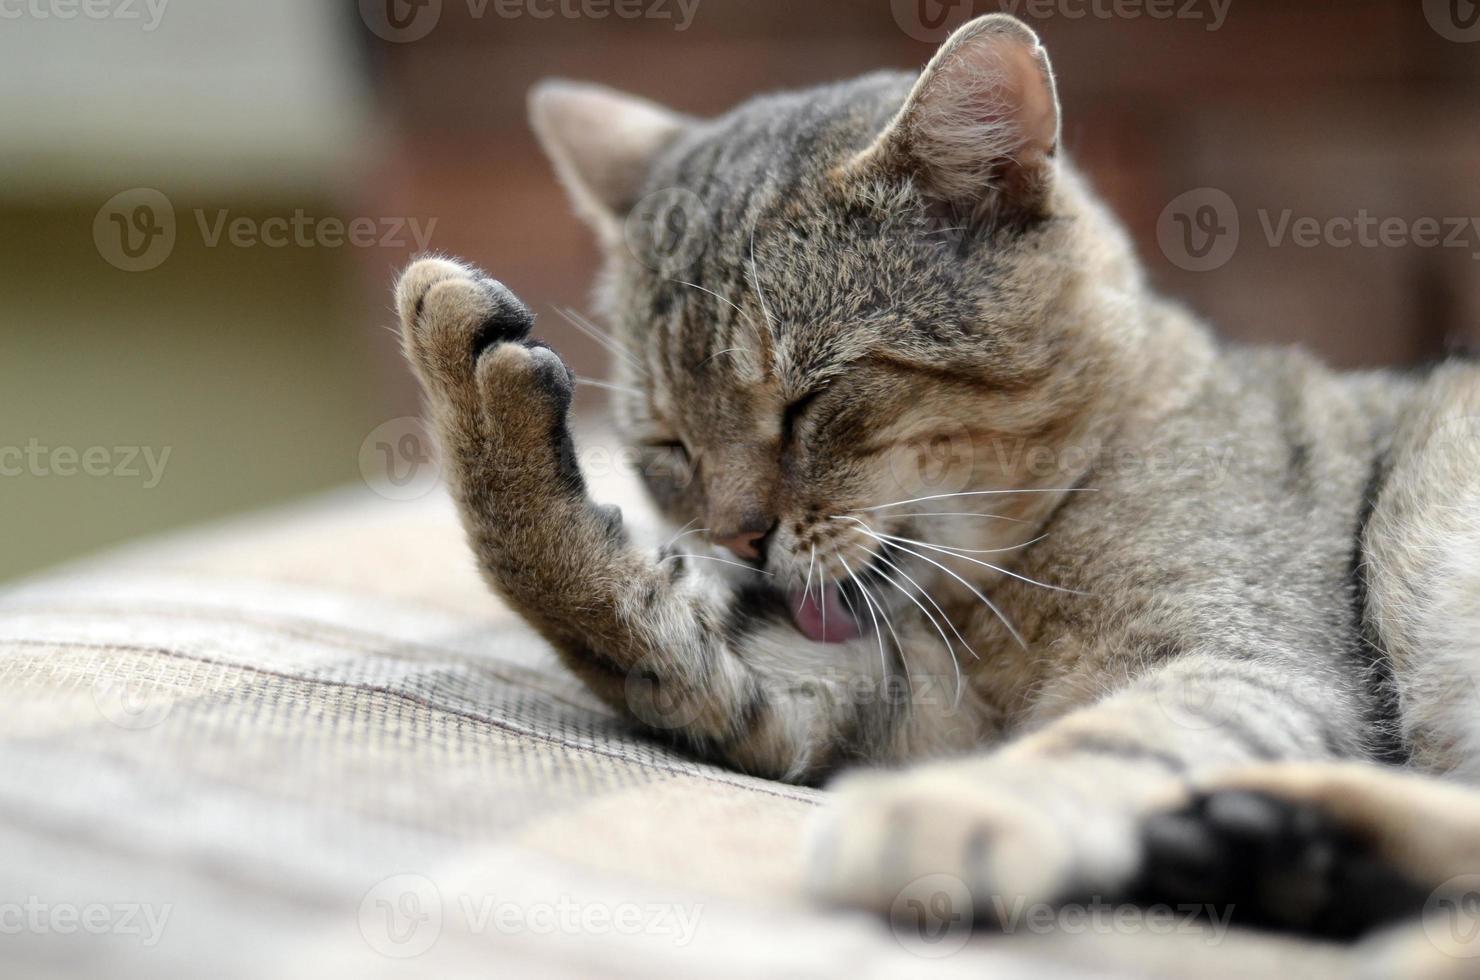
(824, 620)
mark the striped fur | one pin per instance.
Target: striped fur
(1209, 562)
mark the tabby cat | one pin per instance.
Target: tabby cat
(1095, 604)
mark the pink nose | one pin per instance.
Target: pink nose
(744, 544)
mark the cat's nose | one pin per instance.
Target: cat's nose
(747, 542)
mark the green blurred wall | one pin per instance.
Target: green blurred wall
(252, 365)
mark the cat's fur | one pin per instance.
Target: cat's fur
(1223, 581)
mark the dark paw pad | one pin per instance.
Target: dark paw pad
(1273, 864)
(509, 321)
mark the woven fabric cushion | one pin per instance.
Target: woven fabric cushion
(313, 744)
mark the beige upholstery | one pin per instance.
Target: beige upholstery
(312, 744)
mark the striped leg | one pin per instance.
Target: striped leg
(1063, 814)
(662, 640)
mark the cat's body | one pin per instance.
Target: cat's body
(1095, 562)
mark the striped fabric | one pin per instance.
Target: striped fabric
(312, 744)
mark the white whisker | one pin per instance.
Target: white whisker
(711, 292)
(973, 551)
(807, 587)
(993, 517)
(898, 645)
(601, 337)
(883, 657)
(684, 532)
(985, 564)
(883, 558)
(722, 561)
(950, 651)
(971, 493)
(971, 588)
(608, 386)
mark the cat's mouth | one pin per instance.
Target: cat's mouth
(824, 615)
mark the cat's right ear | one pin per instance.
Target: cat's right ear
(602, 143)
(980, 130)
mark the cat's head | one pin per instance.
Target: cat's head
(832, 302)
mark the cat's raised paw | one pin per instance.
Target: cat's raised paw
(451, 314)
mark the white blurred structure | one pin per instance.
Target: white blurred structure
(246, 96)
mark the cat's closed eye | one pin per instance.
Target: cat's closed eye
(793, 413)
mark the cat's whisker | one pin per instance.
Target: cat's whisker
(993, 517)
(807, 587)
(607, 386)
(684, 532)
(728, 350)
(931, 600)
(950, 650)
(601, 337)
(884, 613)
(883, 657)
(974, 493)
(969, 587)
(755, 282)
(972, 551)
(711, 292)
(722, 561)
(985, 564)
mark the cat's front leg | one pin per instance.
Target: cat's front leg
(657, 637)
(1099, 805)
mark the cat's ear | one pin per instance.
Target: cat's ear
(602, 144)
(981, 127)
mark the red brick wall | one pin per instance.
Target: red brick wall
(1323, 109)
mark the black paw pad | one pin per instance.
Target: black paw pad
(1271, 863)
(555, 379)
(509, 321)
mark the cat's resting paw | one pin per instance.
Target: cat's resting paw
(886, 836)
(1274, 860)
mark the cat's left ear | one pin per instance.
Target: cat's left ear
(981, 128)
(602, 143)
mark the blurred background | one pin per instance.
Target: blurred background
(204, 204)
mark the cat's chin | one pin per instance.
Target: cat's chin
(823, 617)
